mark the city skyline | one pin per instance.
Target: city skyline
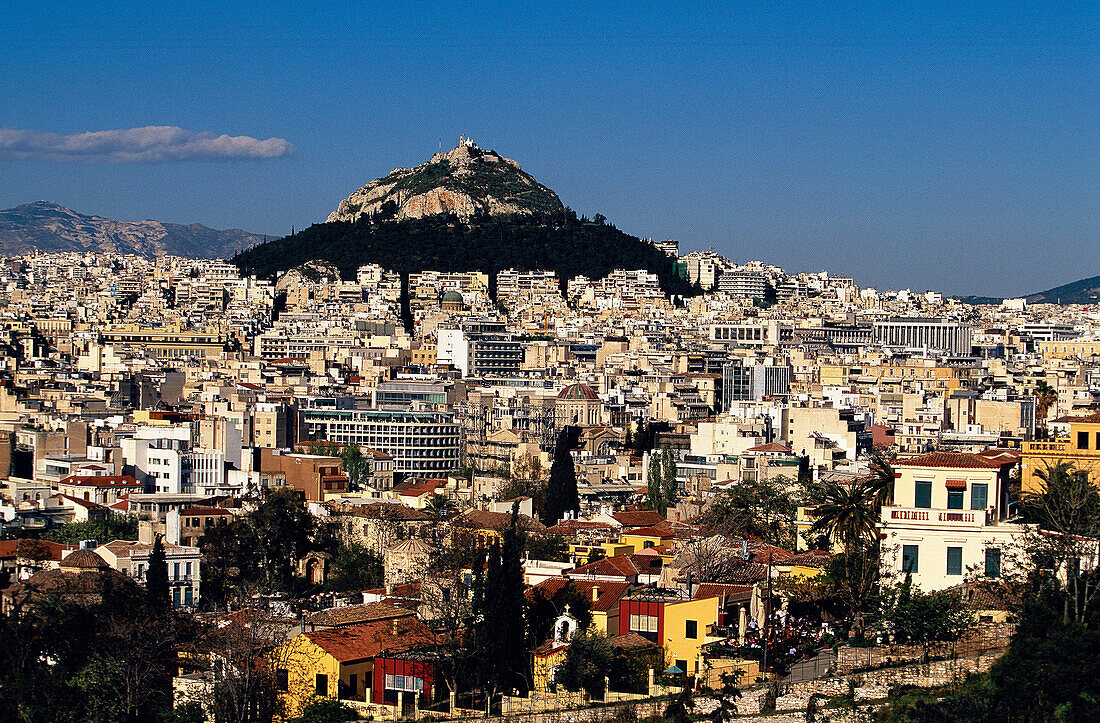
(896, 148)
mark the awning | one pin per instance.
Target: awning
(956, 484)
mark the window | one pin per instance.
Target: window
(282, 679)
(643, 623)
(682, 665)
(954, 561)
(353, 683)
(1082, 440)
(954, 499)
(922, 496)
(909, 558)
(691, 629)
(320, 684)
(992, 562)
(408, 683)
(979, 496)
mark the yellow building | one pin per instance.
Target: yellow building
(1081, 448)
(1069, 349)
(586, 553)
(338, 663)
(672, 620)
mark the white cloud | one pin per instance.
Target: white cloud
(150, 144)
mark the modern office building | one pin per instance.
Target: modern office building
(419, 442)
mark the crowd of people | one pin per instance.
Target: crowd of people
(786, 639)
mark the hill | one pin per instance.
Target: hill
(571, 247)
(465, 210)
(1082, 291)
(466, 182)
(45, 226)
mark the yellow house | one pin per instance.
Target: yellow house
(672, 620)
(483, 528)
(586, 553)
(645, 538)
(1082, 448)
(337, 663)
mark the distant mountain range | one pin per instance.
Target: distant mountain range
(45, 226)
(1083, 291)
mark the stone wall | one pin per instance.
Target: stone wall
(984, 639)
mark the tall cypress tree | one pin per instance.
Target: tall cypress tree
(156, 579)
(561, 491)
(500, 631)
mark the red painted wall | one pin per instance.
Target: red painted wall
(640, 607)
(389, 666)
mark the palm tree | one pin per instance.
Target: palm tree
(1045, 398)
(881, 482)
(846, 513)
(439, 506)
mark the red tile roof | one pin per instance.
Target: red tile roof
(639, 518)
(950, 460)
(713, 589)
(47, 549)
(608, 593)
(366, 640)
(499, 521)
(199, 511)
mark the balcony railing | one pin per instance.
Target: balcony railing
(962, 518)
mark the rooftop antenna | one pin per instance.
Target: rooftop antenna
(440, 144)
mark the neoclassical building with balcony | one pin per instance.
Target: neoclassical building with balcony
(949, 517)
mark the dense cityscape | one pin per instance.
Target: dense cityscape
(681, 362)
(533, 500)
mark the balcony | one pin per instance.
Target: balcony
(936, 517)
(1032, 447)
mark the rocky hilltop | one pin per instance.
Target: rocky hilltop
(466, 182)
(45, 226)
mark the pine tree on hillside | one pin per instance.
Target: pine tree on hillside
(156, 579)
(561, 491)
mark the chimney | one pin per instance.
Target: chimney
(595, 593)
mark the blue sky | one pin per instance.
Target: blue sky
(955, 148)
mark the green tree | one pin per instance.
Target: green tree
(284, 531)
(922, 618)
(1045, 398)
(881, 484)
(760, 509)
(354, 568)
(355, 465)
(327, 710)
(1068, 505)
(670, 488)
(500, 628)
(156, 578)
(588, 659)
(561, 492)
(228, 561)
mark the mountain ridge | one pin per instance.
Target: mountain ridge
(50, 227)
(1082, 291)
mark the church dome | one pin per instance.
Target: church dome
(453, 296)
(83, 560)
(578, 391)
